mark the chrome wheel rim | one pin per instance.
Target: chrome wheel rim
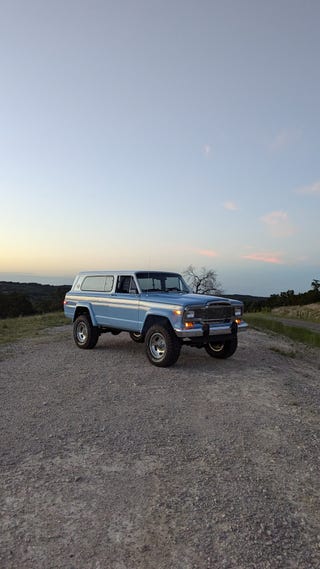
(82, 333)
(216, 347)
(157, 346)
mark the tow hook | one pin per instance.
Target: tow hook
(205, 329)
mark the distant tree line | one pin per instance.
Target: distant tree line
(25, 299)
(286, 298)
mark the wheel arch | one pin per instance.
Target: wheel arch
(87, 310)
(153, 319)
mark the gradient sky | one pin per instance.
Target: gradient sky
(158, 134)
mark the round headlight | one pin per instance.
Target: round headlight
(190, 314)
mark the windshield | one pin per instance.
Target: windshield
(161, 282)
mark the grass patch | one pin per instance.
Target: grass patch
(13, 329)
(299, 334)
(309, 312)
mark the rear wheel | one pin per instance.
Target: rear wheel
(85, 335)
(162, 346)
(222, 350)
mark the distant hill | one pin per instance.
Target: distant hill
(30, 298)
(34, 291)
(250, 302)
(246, 297)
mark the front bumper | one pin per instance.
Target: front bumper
(205, 330)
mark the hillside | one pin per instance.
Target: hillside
(250, 302)
(34, 291)
(19, 299)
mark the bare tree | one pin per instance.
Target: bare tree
(203, 281)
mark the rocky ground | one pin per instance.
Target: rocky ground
(110, 463)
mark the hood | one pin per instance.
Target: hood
(185, 299)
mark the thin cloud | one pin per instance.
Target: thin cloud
(231, 206)
(312, 190)
(278, 224)
(283, 139)
(207, 252)
(273, 258)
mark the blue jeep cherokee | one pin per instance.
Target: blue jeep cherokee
(156, 308)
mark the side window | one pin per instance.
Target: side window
(126, 285)
(109, 284)
(94, 283)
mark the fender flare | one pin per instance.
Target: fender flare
(82, 308)
(154, 317)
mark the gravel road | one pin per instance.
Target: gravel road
(110, 463)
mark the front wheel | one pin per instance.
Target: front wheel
(162, 346)
(85, 335)
(222, 350)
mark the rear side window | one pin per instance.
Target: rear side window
(109, 284)
(98, 283)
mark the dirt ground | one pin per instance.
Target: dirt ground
(110, 463)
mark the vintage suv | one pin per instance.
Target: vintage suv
(155, 307)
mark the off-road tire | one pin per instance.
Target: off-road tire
(84, 334)
(162, 346)
(222, 350)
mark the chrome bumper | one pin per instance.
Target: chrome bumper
(214, 330)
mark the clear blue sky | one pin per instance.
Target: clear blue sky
(158, 134)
